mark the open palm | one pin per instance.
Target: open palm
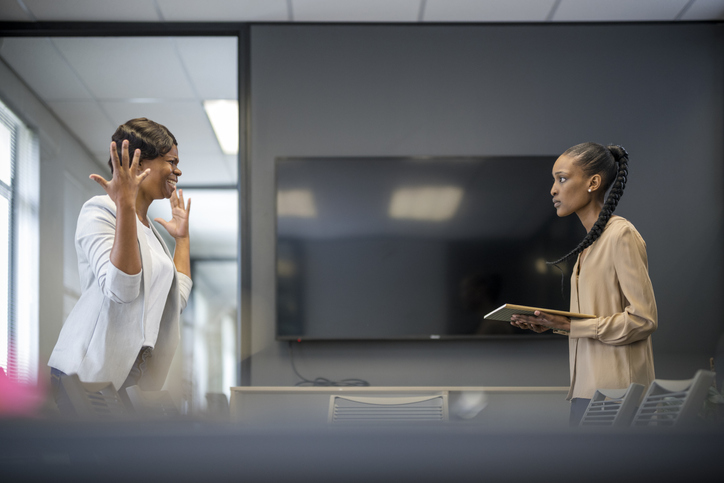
(178, 225)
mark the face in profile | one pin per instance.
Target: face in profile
(163, 176)
(570, 186)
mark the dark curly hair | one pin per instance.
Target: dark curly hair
(152, 138)
(611, 162)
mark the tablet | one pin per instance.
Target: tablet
(504, 312)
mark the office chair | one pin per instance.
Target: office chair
(152, 404)
(674, 403)
(93, 400)
(378, 409)
(613, 407)
(217, 406)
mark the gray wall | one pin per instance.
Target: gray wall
(501, 90)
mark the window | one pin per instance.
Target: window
(19, 202)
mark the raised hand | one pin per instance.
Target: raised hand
(178, 225)
(123, 187)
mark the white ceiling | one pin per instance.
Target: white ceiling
(360, 10)
(85, 82)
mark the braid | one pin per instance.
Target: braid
(620, 156)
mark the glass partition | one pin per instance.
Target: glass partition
(94, 84)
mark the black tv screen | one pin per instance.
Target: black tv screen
(415, 248)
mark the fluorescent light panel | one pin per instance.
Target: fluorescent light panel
(298, 203)
(224, 117)
(428, 203)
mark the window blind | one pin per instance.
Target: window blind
(19, 241)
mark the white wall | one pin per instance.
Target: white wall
(64, 186)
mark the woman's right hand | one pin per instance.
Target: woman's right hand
(123, 187)
(529, 326)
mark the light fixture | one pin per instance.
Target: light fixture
(430, 203)
(298, 203)
(224, 117)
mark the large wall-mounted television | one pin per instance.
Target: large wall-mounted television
(392, 248)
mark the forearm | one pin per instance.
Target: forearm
(125, 254)
(182, 256)
(618, 329)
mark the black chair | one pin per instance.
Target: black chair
(94, 400)
(386, 409)
(217, 406)
(152, 404)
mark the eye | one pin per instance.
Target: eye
(562, 179)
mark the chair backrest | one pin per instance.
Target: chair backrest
(669, 403)
(386, 409)
(613, 407)
(93, 400)
(217, 406)
(152, 404)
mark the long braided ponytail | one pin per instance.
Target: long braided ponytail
(612, 163)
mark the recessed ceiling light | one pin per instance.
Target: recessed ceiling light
(224, 117)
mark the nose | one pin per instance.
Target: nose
(177, 171)
(554, 190)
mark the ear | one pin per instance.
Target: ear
(595, 182)
(139, 167)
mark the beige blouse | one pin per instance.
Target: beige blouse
(614, 349)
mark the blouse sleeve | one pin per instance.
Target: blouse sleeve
(185, 284)
(639, 318)
(94, 236)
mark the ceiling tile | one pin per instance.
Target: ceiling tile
(128, 68)
(487, 10)
(34, 59)
(88, 122)
(618, 10)
(93, 10)
(10, 11)
(211, 63)
(705, 10)
(356, 10)
(224, 11)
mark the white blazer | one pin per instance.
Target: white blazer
(104, 332)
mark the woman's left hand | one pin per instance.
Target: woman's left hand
(541, 321)
(178, 226)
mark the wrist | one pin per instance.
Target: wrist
(125, 203)
(125, 208)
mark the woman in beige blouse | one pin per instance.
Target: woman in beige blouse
(610, 279)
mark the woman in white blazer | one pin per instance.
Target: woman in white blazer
(125, 326)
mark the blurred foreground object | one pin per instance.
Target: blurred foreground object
(17, 398)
